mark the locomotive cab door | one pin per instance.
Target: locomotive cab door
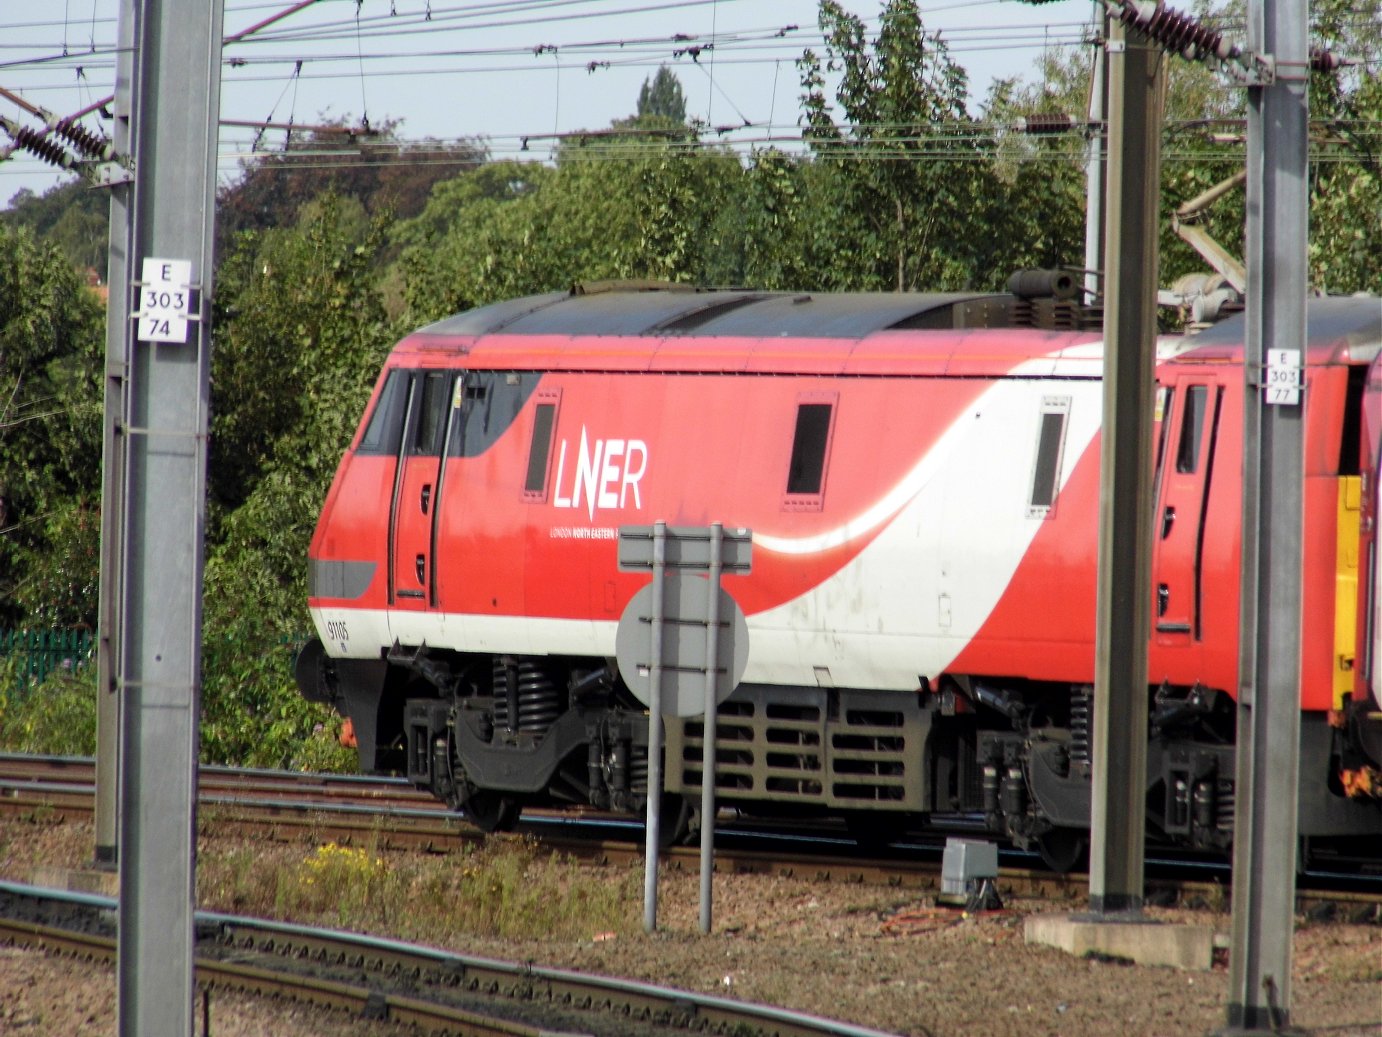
(412, 583)
(1190, 422)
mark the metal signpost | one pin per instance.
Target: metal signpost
(682, 646)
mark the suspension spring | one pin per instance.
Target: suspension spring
(1081, 715)
(1225, 805)
(638, 770)
(539, 697)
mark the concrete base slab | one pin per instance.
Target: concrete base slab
(78, 880)
(1142, 941)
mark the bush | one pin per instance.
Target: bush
(56, 717)
(505, 887)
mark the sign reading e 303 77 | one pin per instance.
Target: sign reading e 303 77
(165, 300)
(1282, 383)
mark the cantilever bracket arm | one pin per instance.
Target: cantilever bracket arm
(1183, 222)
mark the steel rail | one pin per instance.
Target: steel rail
(419, 986)
(360, 811)
(223, 975)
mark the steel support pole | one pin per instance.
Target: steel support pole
(653, 813)
(712, 664)
(111, 621)
(1268, 768)
(176, 100)
(1125, 496)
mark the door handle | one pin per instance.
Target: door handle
(421, 564)
(1168, 519)
(426, 498)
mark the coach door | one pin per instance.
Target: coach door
(1190, 421)
(412, 583)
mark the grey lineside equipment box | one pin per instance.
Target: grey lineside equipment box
(965, 865)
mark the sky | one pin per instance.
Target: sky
(514, 73)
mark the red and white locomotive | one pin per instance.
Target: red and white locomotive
(920, 473)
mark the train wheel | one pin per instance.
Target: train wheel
(674, 823)
(491, 811)
(1063, 849)
(870, 829)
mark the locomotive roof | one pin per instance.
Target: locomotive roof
(670, 310)
(1338, 329)
(705, 331)
(675, 327)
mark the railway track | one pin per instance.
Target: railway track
(351, 810)
(434, 991)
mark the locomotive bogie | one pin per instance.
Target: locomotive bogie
(924, 504)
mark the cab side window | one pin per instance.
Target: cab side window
(490, 403)
(429, 424)
(385, 427)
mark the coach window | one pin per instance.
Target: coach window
(1050, 447)
(540, 447)
(810, 451)
(386, 423)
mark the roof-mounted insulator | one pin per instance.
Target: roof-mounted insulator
(88, 143)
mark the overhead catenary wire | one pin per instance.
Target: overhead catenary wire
(956, 40)
(253, 59)
(897, 143)
(971, 144)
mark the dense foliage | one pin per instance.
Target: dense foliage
(72, 216)
(293, 371)
(51, 346)
(661, 97)
(903, 181)
(370, 166)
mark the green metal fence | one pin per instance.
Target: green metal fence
(37, 653)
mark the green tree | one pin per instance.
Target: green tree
(661, 98)
(73, 216)
(281, 297)
(912, 179)
(608, 210)
(383, 174)
(1346, 173)
(456, 252)
(301, 319)
(51, 349)
(1203, 143)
